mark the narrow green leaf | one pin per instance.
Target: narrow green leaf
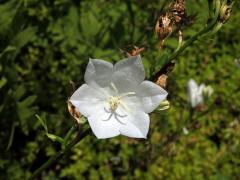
(28, 101)
(7, 50)
(23, 37)
(24, 113)
(8, 11)
(19, 92)
(68, 135)
(55, 138)
(43, 122)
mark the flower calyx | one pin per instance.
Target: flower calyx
(133, 50)
(74, 112)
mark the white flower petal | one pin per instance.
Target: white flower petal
(200, 94)
(123, 85)
(192, 92)
(150, 95)
(132, 103)
(136, 125)
(102, 126)
(201, 88)
(98, 73)
(129, 70)
(86, 99)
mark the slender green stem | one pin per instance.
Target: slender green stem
(191, 40)
(11, 136)
(187, 43)
(59, 154)
(68, 135)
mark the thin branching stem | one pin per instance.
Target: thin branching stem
(209, 27)
(189, 42)
(81, 135)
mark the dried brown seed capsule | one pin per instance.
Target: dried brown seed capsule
(177, 8)
(164, 27)
(162, 81)
(74, 113)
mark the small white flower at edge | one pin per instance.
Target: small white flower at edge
(116, 99)
(197, 93)
(185, 131)
(207, 91)
(237, 61)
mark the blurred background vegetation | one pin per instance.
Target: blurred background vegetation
(45, 44)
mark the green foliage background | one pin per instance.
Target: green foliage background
(45, 44)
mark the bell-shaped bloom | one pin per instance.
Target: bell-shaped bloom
(197, 93)
(116, 99)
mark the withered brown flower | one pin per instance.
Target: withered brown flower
(135, 51)
(74, 113)
(162, 81)
(177, 9)
(164, 27)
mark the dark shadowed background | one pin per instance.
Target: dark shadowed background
(45, 44)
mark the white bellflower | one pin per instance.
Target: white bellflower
(196, 94)
(116, 99)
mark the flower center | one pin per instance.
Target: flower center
(114, 101)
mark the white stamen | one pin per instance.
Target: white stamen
(114, 88)
(125, 106)
(114, 102)
(127, 94)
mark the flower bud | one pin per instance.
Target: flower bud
(185, 131)
(207, 91)
(225, 12)
(163, 105)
